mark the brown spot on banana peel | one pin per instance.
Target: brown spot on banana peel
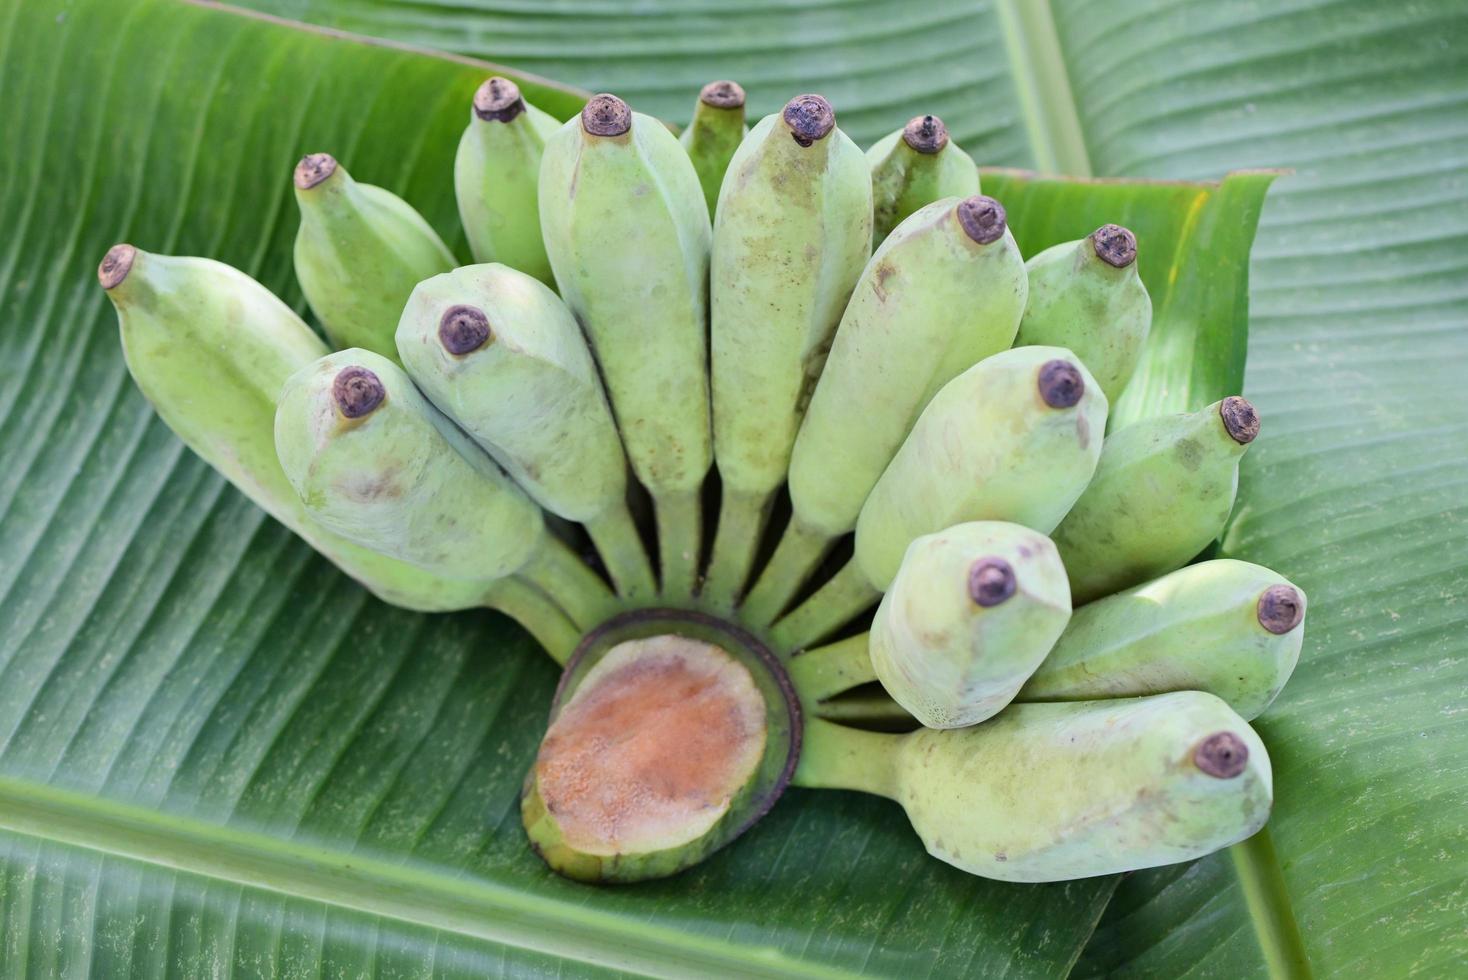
(1114, 245)
(463, 330)
(357, 392)
(925, 134)
(313, 169)
(991, 581)
(810, 118)
(498, 100)
(722, 95)
(115, 266)
(1280, 609)
(1240, 419)
(1061, 384)
(982, 218)
(1222, 755)
(606, 115)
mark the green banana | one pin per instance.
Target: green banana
(913, 167)
(1014, 438)
(496, 172)
(714, 134)
(1226, 627)
(500, 354)
(1087, 296)
(1163, 490)
(374, 461)
(1051, 792)
(792, 235)
(359, 252)
(943, 292)
(974, 610)
(627, 232)
(210, 348)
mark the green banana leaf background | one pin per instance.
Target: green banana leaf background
(218, 756)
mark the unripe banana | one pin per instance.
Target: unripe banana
(714, 134)
(210, 348)
(913, 167)
(1087, 296)
(1163, 490)
(792, 235)
(374, 461)
(1051, 792)
(500, 354)
(972, 613)
(1014, 438)
(496, 172)
(627, 232)
(1226, 627)
(945, 291)
(359, 252)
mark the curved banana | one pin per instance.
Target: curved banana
(359, 252)
(913, 167)
(1014, 438)
(1163, 490)
(496, 173)
(1086, 295)
(792, 235)
(714, 134)
(627, 232)
(500, 354)
(972, 613)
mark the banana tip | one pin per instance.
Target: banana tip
(1114, 245)
(606, 115)
(1281, 608)
(1061, 384)
(357, 391)
(925, 134)
(982, 218)
(313, 169)
(991, 581)
(463, 329)
(116, 264)
(1222, 755)
(498, 100)
(1240, 419)
(722, 95)
(810, 118)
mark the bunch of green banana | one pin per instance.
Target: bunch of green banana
(792, 234)
(496, 174)
(1088, 297)
(360, 250)
(913, 167)
(941, 398)
(627, 232)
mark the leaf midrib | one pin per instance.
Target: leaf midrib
(407, 892)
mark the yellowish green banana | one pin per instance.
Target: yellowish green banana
(496, 172)
(792, 235)
(913, 167)
(943, 292)
(1014, 438)
(500, 354)
(373, 461)
(1050, 792)
(1162, 491)
(359, 252)
(974, 610)
(627, 232)
(1226, 627)
(714, 134)
(1087, 296)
